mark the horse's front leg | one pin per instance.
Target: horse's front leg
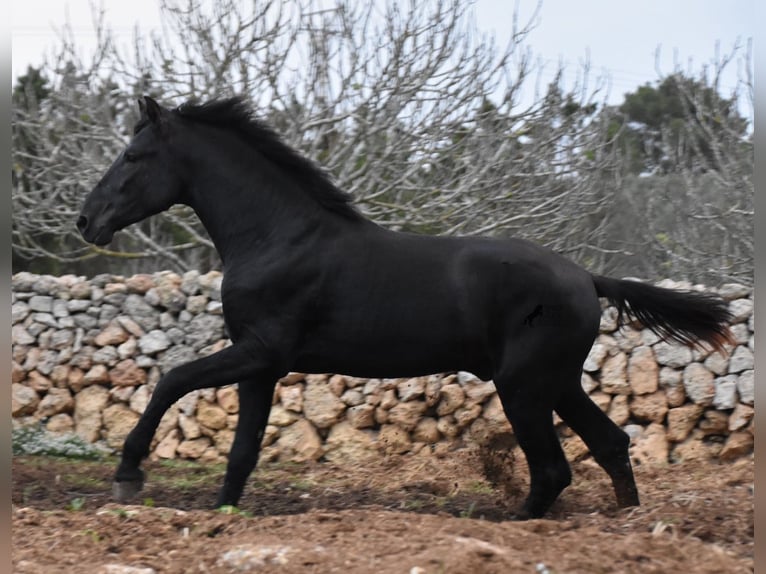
(235, 363)
(255, 397)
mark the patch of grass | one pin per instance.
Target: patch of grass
(36, 440)
(189, 475)
(229, 509)
(480, 487)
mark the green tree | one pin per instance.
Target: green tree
(676, 125)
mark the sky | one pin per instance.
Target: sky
(619, 39)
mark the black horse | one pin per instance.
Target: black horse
(311, 285)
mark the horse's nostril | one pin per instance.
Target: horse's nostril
(82, 222)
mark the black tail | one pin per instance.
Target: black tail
(688, 317)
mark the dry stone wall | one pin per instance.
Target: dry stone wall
(87, 354)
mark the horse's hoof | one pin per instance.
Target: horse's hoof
(126, 490)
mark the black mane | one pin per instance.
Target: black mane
(236, 115)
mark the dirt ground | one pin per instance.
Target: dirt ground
(416, 514)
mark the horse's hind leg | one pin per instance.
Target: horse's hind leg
(531, 415)
(222, 368)
(607, 442)
(254, 406)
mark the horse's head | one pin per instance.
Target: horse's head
(142, 181)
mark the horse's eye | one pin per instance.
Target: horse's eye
(130, 157)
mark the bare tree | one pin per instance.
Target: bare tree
(414, 111)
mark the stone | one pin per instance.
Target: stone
(619, 410)
(347, 444)
(97, 374)
(388, 400)
(361, 416)
(432, 392)
(121, 394)
(671, 381)
(88, 406)
(717, 363)
(740, 417)
(153, 342)
(189, 427)
(168, 446)
(299, 442)
(672, 355)
(608, 320)
(699, 384)
(741, 360)
(223, 440)
(643, 372)
(119, 420)
(193, 449)
(695, 448)
(281, 417)
(18, 373)
(139, 283)
(613, 379)
(574, 448)
(228, 398)
(741, 310)
(649, 408)
(452, 397)
(24, 400)
(175, 356)
(466, 414)
(56, 401)
(478, 391)
(112, 334)
(41, 304)
(337, 384)
(106, 356)
(725, 392)
(588, 383)
(746, 387)
(411, 389)
(426, 431)
(737, 444)
(407, 415)
(393, 439)
(60, 423)
(681, 421)
(20, 336)
(168, 422)
(714, 423)
(196, 304)
(447, 425)
(19, 312)
(210, 415)
(127, 373)
(596, 356)
(651, 447)
(140, 399)
(141, 312)
(291, 379)
(38, 382)
(351, 397)
(320, 406)
(291, 397)
(731, 291)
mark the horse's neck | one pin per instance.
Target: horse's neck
(244, 211)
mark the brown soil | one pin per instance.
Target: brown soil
(411, 514)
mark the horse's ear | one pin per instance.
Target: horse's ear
(150, 109)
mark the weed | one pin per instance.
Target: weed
(469, 512)
(76, 504)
